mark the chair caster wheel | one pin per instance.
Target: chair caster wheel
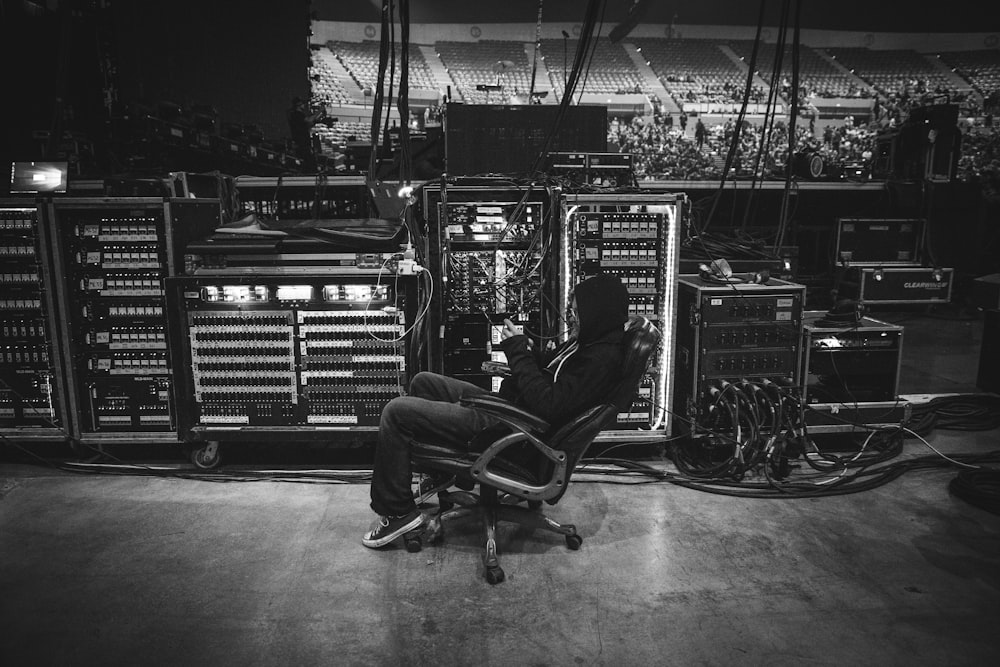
(574, 541)
(494, 575)
(534, 504)
(413, 542)
(434, 531)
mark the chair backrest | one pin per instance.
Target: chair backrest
(640, 341)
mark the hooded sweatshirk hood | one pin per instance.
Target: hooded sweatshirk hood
(602, 304)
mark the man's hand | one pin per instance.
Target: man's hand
(509, 330)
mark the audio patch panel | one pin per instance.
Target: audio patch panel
(291, 353)
(500, 281)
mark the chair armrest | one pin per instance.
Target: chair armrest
(507, 412)
(480, 468)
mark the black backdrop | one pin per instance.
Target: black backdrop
(246, 59)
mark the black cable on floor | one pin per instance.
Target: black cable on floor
(962, 412)
(978, 487)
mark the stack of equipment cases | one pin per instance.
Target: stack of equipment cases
(733, 333)
(850, 374)
(32, 391)
(881, 263)
(111, 258)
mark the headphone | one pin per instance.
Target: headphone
(844, 313)
(720, 273)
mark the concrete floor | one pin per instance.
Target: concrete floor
(115, 570)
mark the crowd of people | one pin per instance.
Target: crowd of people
(668, 150)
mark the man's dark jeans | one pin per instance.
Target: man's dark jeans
(429, 413)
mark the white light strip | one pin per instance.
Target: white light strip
(668, 288)
(566, 278)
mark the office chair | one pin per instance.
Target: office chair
(525, 458)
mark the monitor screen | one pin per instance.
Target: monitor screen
(31, 177)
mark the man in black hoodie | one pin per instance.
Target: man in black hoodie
(554, 386)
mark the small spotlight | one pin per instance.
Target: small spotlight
(878, 275)
(938, 275)
(405, 191)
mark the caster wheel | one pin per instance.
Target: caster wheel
(574, 541)
(207, 457)
(534, 504)
(413, 542)
(434, 531)
(494, 575)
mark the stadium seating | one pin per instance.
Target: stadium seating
(326, 88)
(473, 63)
(816, 74)
(611, 69)
(980, 68)
(341, 133)
(361, 60)
(893, 71)
(693, 70)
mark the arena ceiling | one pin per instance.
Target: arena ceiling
(854, 15)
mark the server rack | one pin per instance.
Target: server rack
(33, 402)
(111, 257)
(493, 250)
(636, 237)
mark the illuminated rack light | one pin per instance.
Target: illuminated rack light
(293, 293)
(355, 292)
(235, 293)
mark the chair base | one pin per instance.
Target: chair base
(487, 506)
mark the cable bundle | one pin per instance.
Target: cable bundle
(707, 245)
(962, 412)
(751, 425)
(978, 487)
